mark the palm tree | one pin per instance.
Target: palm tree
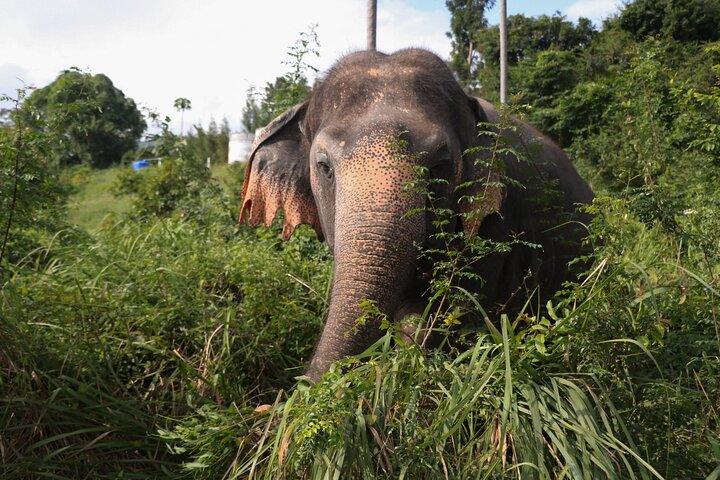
(182, 104)
(372, 25)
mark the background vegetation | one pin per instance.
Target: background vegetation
(92, 121)
(141, 345)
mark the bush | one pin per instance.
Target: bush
(396, 412)
(148, 349)
(175, 184)
(179, 182)
(653, 132)
(138, 321)
(645, 324)
(32, 195)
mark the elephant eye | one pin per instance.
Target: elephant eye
(323, 165)
(437, 170)
(441, 163)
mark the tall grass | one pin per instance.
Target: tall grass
(167, 344)
(400, 414)
(107, 338)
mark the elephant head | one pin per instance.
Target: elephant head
(339, 163)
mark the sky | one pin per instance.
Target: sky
(212, 51)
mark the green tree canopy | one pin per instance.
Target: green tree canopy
(95, 120)
(467, 19)
(527, 36)
(553, 72)
(682, 20)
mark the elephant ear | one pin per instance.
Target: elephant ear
(484, 194)
(277, 176)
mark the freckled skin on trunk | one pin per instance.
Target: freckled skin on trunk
(371, 262)
(374, 248)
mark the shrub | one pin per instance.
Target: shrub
(396, 412)
(180, 181)
(138, 321)
(32, 195)
(176, 183)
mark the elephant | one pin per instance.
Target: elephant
(333, 163)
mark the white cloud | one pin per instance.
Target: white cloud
(209, 51)
(595, 10)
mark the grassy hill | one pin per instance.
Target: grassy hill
(93, 199)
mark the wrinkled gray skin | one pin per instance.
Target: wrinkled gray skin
(333, 162)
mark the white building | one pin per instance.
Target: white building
(239, 147)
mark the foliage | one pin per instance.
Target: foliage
(656, 132)
(32, 197)
(176, 183)
(681, 20)
(554, 72)
(630, 326)
(124, 331)
(142, 351)
(467, 17)
(528, 39)
(202, 142)
(180, 180)
(211, 142)
(181, 105)
(648, 135)
(528, 36)
(94, 121)
(395, 412)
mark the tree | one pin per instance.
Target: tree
(287, 90)
(95, 120)
(544, 83)
(211, 142)
(527, 36)
(181, 104)
(32, 196)
(251, 117)
(682, 20)
(554, 72)
(467, 19)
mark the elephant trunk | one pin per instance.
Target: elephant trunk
(375, 251)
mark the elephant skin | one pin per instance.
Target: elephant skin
(336, 163)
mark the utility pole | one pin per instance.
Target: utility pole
(503, 51)
(372, 25)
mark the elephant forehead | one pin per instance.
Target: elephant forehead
(391, 70)
(377, 167)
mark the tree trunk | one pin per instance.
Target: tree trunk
(469, 60)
